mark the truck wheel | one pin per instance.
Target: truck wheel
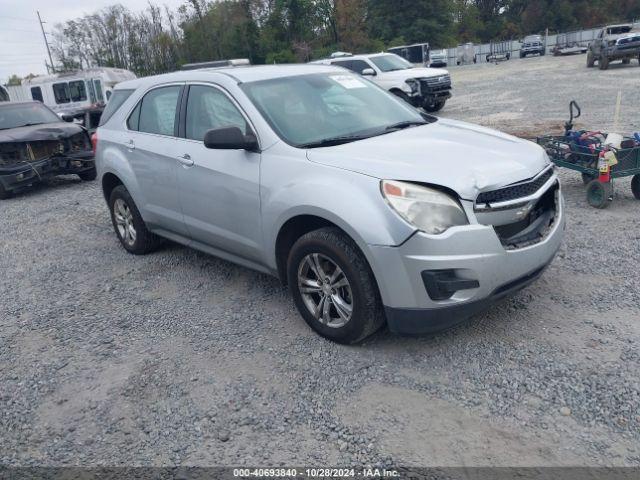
(433, 107)
(333, 286)
(599, 194)
(89, 175)
(129, 225)
(603, 62)
(4, 193)
(635, 186)
(591, 60)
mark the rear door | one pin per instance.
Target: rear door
(150, 147)
(219, 189)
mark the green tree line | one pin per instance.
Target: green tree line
(267, 31)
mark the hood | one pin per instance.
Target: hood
(418, 72)
(34, 133)
(466, 158)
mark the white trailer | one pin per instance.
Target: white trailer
(73, 91)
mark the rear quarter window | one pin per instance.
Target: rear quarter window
(118, 97)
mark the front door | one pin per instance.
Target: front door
(219, 189)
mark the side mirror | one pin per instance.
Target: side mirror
(369, 72)
(229, 138)
(67, 117)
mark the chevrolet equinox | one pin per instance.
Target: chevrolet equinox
(370, 210)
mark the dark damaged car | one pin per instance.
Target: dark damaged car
(36, 144)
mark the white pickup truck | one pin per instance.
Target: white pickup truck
(428, 88)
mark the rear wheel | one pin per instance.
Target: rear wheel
(129, 225)
(599, 194)
(591, 60)
(626, 61)
(603, 62)
(635, 186)
(333, 286)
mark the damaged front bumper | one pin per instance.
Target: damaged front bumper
(19, 175)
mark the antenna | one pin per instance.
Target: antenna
(46, 42)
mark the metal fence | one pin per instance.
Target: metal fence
(580, 37)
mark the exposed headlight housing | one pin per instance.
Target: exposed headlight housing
(413, 84)
(428, 209)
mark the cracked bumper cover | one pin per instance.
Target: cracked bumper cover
(473, 251)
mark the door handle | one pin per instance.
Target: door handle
(186, 160)
(130, 145)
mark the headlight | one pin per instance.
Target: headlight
(413, 84)
(425, 208)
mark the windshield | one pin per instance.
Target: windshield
(19, 115)
(391, 62)
(312, 110)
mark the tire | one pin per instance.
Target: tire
(4, 193)
(626, 61)
(591, 60)
(587, 178)
(543, 53)
(635, 186)
(599, 194)
(603, 62)
(434, 107)
(143, 241)
(89, 175)
(522, 55)
(330, 247)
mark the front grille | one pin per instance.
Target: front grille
(436, 84)
(514, 192)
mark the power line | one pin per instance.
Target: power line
(24, 19)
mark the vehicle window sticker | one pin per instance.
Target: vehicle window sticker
(348, 81)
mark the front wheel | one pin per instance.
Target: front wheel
(599, 194)
(333, 286)
(129, 225)
(591, 60)
(402, 95)
(435, 106)
(603, 62)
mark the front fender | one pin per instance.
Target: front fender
(349, 200)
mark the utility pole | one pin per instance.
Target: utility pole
(46, 42)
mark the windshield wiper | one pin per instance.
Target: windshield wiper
(328, 142)
(30, 124)
(405, 124)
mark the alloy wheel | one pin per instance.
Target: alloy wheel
(124, 222)
(325, 290)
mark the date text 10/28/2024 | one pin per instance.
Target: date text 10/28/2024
(314, 473)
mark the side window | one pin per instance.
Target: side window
(359, 65)
(98, 90)
(77, 91)
(61, 92)
(36, 94)
(158, 111)
(207, 108)
(92, 91)
(133, 122)
(343, 63)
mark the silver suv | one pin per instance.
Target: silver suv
(370, 211)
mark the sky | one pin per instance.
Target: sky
(22, 49)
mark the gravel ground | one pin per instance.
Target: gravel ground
(177, 358)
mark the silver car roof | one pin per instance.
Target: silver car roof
(241, 75)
